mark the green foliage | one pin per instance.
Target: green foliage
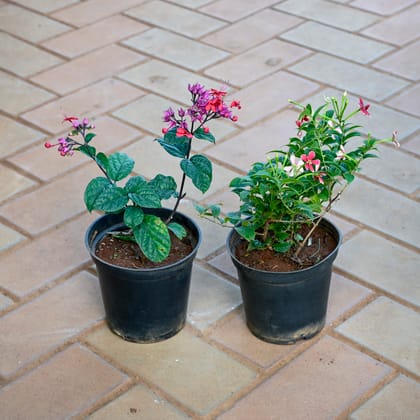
(199, 169)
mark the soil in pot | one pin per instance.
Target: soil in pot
(128, 254)
(322, 244)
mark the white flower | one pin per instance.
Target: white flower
(296, 166)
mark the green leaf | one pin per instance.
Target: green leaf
(100, 194)
(202, 135)
(89, 137)
(247, 232)
(133, 216)
(178, 230)
(135, 184)
(146, 198)
(175, 146)
(199, 169)
(164, 186)
(119, 166)
(153, 238)
(282, 246)
(87, 150)
(348, 177)
(102, 160)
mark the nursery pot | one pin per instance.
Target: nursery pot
(143, 305)
(284, 307)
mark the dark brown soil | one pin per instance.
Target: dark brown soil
(128, 254)
(323, 243)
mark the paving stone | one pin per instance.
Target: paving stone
(343, 225)
(9, 237)
(398, 29)
(49, 321)
(87, 69)
(382, 263)
(175, 18)
(211, 298)
(403, 62)
(397, 217)
(349, 76)
(19, 96)
(90, 101)
(323, 11)
(398, 400)
(5, 302)
(193, 4)
(251, 31)
(111, 135)
(323, 366)
(187, 368)
(271, 99)
(395, 168)
(263, 60)
(60, 388)
(389, 329)
(53, 255)
(342, 44)
(16, 136)
(382, 7)
(64, 196)
(15, 182)
(147, 152)
(28, 25)
(176, 49)
(141, 402)
(84, 13)
(165, 79)
(234, 10)
(413, 145)
(94, 36)
(223, 262)
(407, 101)
(46, 6)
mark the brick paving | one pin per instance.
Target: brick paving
(121, 63)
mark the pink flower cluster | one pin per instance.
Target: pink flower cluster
(207, 104)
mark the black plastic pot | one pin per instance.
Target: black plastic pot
(143, 305)
(284, 307)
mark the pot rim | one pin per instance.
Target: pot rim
(230, 247)
(91, 242)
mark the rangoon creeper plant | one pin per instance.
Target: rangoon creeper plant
(299, 184)
(104, 193)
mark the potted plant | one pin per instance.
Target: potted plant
(142, 251)
(282, 245)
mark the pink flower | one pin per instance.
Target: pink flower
(311, 163)
(364, 108)
(320, 178)
(235, 104)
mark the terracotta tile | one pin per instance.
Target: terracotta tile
(380, 264)
(111, 135)
(342, 44)
(398, 400)
(389, 329)
(16, 136)
(64, 196)
(9, 237)
(91, 37)
(343, 75)
(28, 25)
(403, 62)
(211, 298)
(398, 29)
(176, 49)
(407, 101)
(251, 31)
(323, 11)
(43, 253)
(398, 216)
(382, 7)
(87, 69)
(175, 18)
(257, 62)
(46, 6)
(49, 321)
(90, 101)
(83, 13)
(323, 366)
(233, 10)
(186, 367)
(138, 401)
(15, 182)
(62, 387)
(165, 79)
(19, 96)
